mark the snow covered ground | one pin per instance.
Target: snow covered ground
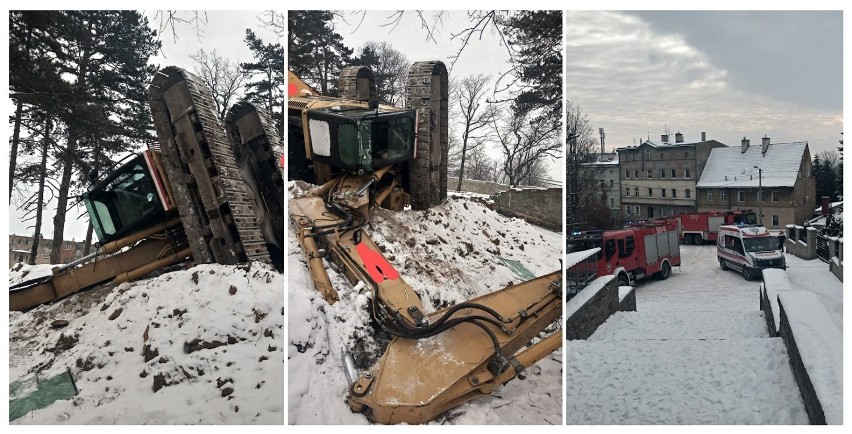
(198, 346)
(21, 272)
(448, 254)
(696, 351)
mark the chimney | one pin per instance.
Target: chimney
(678, 137)
(744, 145)
(826, 209)
(764, 145)
(664, 138)
(703, 136)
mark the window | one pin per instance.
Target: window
(709, 195)
(661, 155)
(662, 173)
(609, 249)
(673, 173)
(685, 173)
(637, 211)
(45, 256)
(662, 192)
(674, 194)
(650, 192)
(626, 246)
(611, 184)
(636, 173)
(687, 193)
(775, 220)
(612, 202)
(627, 174)
(627, 192)
(723, 195)
(775, 196)
(686, 154)
(636, 191)
(740, 196)
(760, 195)
(650, 175)
(648, 154)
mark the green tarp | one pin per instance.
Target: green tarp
(31, 393)
(518, 269)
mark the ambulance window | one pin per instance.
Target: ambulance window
(609, 249)
(630, 243)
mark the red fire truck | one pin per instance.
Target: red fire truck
(632, 253)
(698, 227)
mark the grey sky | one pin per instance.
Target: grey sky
(731, 74)
(223, 31)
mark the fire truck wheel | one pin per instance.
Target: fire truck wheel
(665, 271)
(696, 239)
(623, 280)
(687, 239)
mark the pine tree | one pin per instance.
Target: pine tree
(316, 51)
(267, 78)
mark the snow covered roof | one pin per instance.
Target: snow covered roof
(831, 206)
(654, 144)
(730, 167)
(575, 258)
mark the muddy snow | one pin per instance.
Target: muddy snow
(448, 254)
(197, 346)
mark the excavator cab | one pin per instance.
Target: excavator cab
(358, 139)
(127, 200)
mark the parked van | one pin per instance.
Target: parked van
(749, 250)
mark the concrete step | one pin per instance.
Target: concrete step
(682, 325)
(733, 381)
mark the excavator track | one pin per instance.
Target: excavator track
(214, 204)
(259, 155)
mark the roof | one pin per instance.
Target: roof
(666, 145)
(730, 167)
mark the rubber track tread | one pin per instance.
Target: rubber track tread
(243, 240)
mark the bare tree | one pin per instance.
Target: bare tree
(581, 183)
(481, 166)
(523, 144)
(223, 77)
(390, 70)
(474, 115)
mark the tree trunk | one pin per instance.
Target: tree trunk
(62, 200)
(88, 243)
(13, 154)
(45, 147)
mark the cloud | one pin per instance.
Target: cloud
(635, 81)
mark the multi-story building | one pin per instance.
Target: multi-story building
(659, 179)
(776, 177)
(606, 171)
(20, 246)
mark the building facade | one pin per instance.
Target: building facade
(659, 178)
(607, 172)
(20, 246)
(775, 177)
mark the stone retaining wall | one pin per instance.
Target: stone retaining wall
(584, 321)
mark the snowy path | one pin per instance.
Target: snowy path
(695, 352)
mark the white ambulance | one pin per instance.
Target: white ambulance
(749, 250)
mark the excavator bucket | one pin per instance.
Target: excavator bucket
(418, 379)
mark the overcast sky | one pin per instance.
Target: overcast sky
(223, 31)
(731, 74)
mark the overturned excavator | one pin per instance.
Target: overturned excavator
(206, 193)
(363, 155)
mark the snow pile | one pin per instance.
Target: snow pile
(575, 258)
(203, 345)
(21, 272)
(447, 254)
(775, 281)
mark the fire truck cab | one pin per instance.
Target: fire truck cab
(698, 227)
(749, 250)
(632, 253)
